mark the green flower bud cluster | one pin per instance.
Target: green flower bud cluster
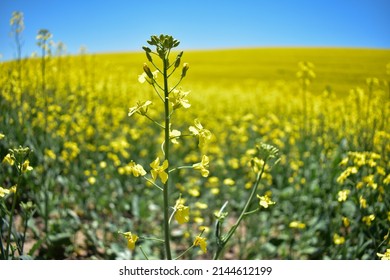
(163, 43)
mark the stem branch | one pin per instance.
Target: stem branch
(244, 212)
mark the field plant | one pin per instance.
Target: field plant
(187, 175)
(174, 98)
(14, 239)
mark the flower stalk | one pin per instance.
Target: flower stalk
(164, 44)
(166, 154)
(270, 152)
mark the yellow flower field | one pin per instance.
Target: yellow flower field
(94, 126)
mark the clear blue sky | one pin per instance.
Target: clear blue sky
(120, 25)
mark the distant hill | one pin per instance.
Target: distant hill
(340, 68)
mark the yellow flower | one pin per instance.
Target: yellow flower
(13, 189)
(346, 221)
(141, 108)
(380, 170)
(194, 192)
(346, 173)
(343, 195)
(338, 240)
(182, 213)
(145, 78)
(136, 169)
(257, 164)
(3, 192)
(131, 239)
(50, 154)
(2, 136)
(9, 159)
(158, 170)
(385, 256)
(368, 219)
(344, 161)
(201, 205)
(142, 78)
(359, 185)
(229, 182)
(201, 242)
(198, 130)
(215, 191)
(26, 166)
(173, 135)
(297, 224)
(198, 220)
(204, 228)
(386, 181)
(369, 180)
(363, 202)
(177, 98)
(92, 180)
(203, 166)
(121, 170)
(265, 201)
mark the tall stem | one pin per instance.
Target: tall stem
(166, 152)
(19, 63)
(45, 138)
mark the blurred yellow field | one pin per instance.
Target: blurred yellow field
(327, 111)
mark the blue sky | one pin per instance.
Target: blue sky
(119, 25)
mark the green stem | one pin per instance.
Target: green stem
(156, 90)
(46, 195)
(166, 152)
(244, 212)
(251, 212)
(143, 252)
(11, 215)
(1, 234)
(181, 167)
(23, 239)
(170, 218)
(45, 138)
(153, 183)
(155, 66)
(154, 121)
(182, 254)
(192, 246)
(172, 89)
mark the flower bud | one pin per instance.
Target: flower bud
(146, 49)
(178, 59)
(149, 57)
(184, 70)
(176, 43)
(147, 71)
